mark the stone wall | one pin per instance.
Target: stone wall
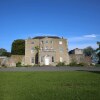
(11, 61)
(80, 58)
(18, 58)
(1, 59)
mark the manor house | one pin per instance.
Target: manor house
(46, 50)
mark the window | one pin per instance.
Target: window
(60, 49)
(52, 59)
(60, 42)
(32, 42)
(32, 49)
(42, 59)
(51, 48)
(46, 47)
(51, 42)
(32, 60)
(41, 48)
(41, 42)
(61, 59)
(46, 41)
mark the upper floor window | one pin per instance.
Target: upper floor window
(60, 42)
(32, 42)
(51, 42)
(41, 42)
(46, 41)
(32, 49)
(60, 49)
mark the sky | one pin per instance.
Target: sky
(75, 20)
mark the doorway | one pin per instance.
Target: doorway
(47, 60)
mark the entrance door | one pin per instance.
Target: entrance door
(47, 61)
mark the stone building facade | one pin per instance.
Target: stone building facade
(76, 51)
(46, 50)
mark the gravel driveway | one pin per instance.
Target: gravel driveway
(51, 68)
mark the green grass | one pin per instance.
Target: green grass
(49, 86)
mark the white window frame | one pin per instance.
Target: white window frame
(60, 42)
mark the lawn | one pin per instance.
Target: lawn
(72, 85)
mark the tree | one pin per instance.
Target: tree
(18, 47)
(8, 54)
(88, 51)
(2, 50)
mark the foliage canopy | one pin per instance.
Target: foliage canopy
(18, 47)
(2, 50)
(88, 51)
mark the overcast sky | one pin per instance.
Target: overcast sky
(76, 20)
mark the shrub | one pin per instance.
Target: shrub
(61, 64)
(97, 65)
(73, 64)
(18, 64)
(27, 65)
(36, 65)
(81, 64)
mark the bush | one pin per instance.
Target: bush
(81, 64)
(18, 64)
(61, 64)
(36, 65)
(97, 65)
(75, 64)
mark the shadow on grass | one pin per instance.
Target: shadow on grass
(97, 72)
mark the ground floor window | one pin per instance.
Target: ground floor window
(52, 59)
(42, 59)
(61, 59)
(32, 60)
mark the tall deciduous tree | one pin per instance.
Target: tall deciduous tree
(88, 51)
(18, 47)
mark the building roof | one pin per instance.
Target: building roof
(41, 37)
